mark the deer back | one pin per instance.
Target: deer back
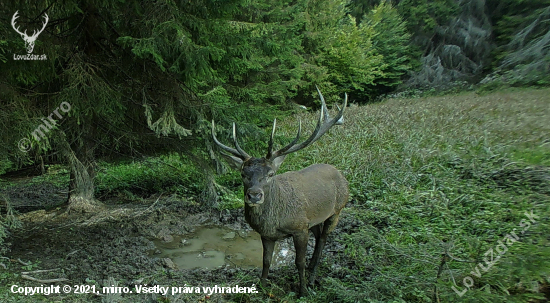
(298, 200)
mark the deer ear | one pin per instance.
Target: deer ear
(277, 162)
(234, 162)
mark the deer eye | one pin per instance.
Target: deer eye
(271, 174)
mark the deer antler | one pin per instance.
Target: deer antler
(239, 152)
(323, 125)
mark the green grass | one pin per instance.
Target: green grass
(434, 181)
(132, 180)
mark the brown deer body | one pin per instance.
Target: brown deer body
(291, 204)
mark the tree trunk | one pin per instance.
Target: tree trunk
(209, 194)
(81, 184)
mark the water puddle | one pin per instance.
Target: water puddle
(213, 247)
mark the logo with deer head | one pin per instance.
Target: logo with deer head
(29, 40)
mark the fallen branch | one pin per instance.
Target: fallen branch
(26, 264)
(146, 210)
(37, 271)
(72, 253)
(43, 281)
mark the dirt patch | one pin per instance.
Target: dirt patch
(116, 245)
(43, 195)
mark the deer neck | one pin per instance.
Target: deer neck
(264, 218)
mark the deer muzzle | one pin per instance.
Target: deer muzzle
(254, 196)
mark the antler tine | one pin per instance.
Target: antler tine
(239, 149)
(224, 147)
(323, 125)
(340, 115)
(280, 152)
(323, 104)
(270, 144)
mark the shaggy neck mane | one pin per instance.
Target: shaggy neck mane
(265, 216)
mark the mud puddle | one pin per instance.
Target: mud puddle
(214, 247)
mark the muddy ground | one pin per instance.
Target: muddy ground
(116, 246)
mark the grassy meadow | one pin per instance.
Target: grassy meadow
(436, 183)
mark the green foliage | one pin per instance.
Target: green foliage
(183, 64)
(359, 8)
(423, 16)
(3, 235)
(164, 174)
(538, 155)
(5, 166)
(392, 41)
(351, 60)
(7, 221)
(230, 200)
(344, 51)
(3, 51)
(509, 16)
(523, 40)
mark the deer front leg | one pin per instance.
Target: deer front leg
(300, 244)
(267, 256)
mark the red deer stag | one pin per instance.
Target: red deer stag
(291, 204)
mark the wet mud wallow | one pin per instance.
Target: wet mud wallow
(162, 243)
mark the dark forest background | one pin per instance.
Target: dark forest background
(145, 78)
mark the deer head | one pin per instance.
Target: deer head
(29, 40)
(258, 173)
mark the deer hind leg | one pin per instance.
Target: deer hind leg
(267, 256)
(300, 244)
(317, 231)
(323, 230)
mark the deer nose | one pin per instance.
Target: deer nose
(254, 196)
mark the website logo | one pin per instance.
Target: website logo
(29, 40)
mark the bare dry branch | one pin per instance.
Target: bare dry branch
(25, 264)
(44, 281)
(38, 271)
